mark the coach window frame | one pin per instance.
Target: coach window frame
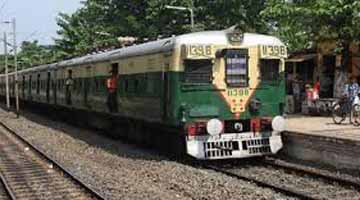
(187, 79)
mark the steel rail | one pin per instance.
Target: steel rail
(263, 184)
(55, 163)
(7, 187)
(312, 172)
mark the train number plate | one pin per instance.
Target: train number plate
(238, 92)
(199, 51)
(273, 51)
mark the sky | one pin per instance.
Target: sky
(35, 19)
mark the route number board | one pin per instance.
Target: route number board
(199, 51)
(273, 51)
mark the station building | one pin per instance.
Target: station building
(321, 62)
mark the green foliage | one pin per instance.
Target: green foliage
(221, 14)
(33, 54)
(301, 23)
(100, 22)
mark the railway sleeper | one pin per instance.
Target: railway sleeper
(42, 181)
(27, 172)
(33, 178)
(24, 169)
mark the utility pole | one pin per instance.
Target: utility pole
(191, 10)
(16, 69)
(192, 18)
(14, 45)
(6, 73)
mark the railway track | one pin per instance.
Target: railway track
(270, 161)
(28, 173)
(4, 191)
(292, 181)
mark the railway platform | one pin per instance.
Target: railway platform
(319, 140)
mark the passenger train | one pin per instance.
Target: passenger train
(219, 93)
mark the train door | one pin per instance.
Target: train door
(55, 86)
(23, 87)
(48, 86)
(87, 83)
(166, 93)
(38, 87)
(30, 87)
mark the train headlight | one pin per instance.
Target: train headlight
(278, 124)
(214, 127)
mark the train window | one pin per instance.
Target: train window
(137, 85)
(96, 85)
(74, 85)
(198, 71)
(126, 85)
(23, 82)
(237, 67)
(269, 69)
(115, 67)
(30, 82)
(58, 84)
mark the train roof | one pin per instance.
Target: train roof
(164, 45)
(221, 38)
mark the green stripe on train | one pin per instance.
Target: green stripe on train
(144, 96)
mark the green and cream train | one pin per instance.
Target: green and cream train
(221, 93)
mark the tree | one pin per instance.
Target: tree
(99, 22)
(33, 54)
(316, 21)
(220, 14)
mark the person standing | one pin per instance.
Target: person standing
(296, 86)
(316, 89)
(111, 85)
(353, 89)
(69, 83)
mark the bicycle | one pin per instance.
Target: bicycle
(346, 107)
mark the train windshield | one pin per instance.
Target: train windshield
(198, 71)
(237, 68)
(270, 69)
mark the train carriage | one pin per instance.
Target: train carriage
(222, 92)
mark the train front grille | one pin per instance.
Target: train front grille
(220, 149)
(256, 146)
(226, 148)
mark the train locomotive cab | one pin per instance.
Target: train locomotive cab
(232, 97)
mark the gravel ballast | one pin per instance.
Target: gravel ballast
(316, 187)
(122, 171)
